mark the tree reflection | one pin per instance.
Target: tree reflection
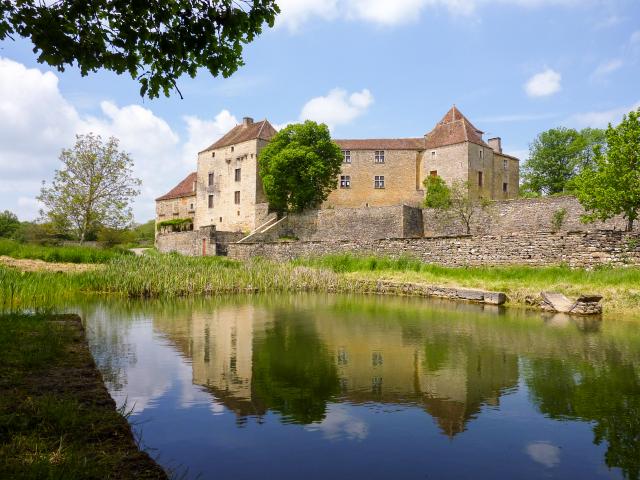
(606, 393)
(293, 372)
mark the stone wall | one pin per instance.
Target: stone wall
(192, 243)
(347, 224)
(521, 215)
(577, 249)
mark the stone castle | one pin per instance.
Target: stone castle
(226, 193)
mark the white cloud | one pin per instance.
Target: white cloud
(606, 68)
(294, 13)
(601, 118)
(202, 133)
(36, 122)
(337, 107)
(543, 84)
(544, 453)
(340, 423)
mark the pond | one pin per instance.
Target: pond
(322, 386)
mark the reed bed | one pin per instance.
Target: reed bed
(164, 276)
(67, 254)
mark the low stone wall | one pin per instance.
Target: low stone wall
(519, 215)
(577, 249)
(191, 243)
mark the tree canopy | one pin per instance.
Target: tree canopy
(611, 186)
(556, 156)
(9, 223)
(93, 189)
(299, 167)
(154, 41)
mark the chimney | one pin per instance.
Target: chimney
(246, 121)
(496, 144)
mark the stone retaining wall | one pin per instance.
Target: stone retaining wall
(577, 249)
(520, 215)
(191, 243)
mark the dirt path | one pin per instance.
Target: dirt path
(29, 265)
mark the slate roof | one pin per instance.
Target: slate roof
(184, 189)
(382, 144)
(453, 128)
(242, 133)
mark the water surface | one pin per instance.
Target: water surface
(338, 387)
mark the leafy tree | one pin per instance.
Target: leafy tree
(455, 202)
(154, 41)
(612, 186)
(93, 189)
(437, 193)
(556, 156)
(299, 166)
(9, 223)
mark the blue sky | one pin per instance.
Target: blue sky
(368, 68)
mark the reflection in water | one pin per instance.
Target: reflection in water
(340, 366)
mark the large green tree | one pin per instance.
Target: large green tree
(155, 41)
(612, 185)
(556, 156)
(299, 167)
(93, 189)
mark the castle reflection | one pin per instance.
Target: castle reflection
(255, 358)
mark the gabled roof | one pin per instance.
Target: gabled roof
(186, 188)
(453, 128)
(244, 132)
(382, 144)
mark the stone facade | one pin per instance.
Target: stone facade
(229, 177)
(179, 202)
(576, 249)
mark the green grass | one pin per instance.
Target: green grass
(55, 418)
(158, 275)
(620, 287)
(69, 254)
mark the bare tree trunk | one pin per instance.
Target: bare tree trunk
(629, 224)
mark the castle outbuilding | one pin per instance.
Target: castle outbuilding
(375, 172)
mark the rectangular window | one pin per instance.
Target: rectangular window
(345, 181)
(378, 181)
(213, 154)
(191, 207)
(236, 198)
(210, 201)
(505, 188)
(210, 178)
(505, 164)
(232, 149)
(346, 156)
(238, 174)
(433, 173)
(378, 156)
(479, 179)
(433, 154)
(481, 154)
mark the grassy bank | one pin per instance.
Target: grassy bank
(620, 287)
(57, 420)
(155, 276)
(70, 254)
